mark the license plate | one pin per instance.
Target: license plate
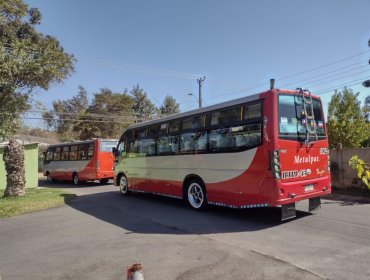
(309, 188)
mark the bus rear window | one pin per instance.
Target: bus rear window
(106, 146)
(292, 123)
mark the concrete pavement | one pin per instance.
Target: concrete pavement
(100, 233)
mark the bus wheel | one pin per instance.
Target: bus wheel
(123, 185)
(75, 179)
(48, 177)
(104, 181)
(196, 195)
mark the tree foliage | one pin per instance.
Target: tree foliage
(66, 114)
(346, 122)
(169, 106)
(112, 112)
(362, 168)
(142, 108)
(28, 60)
(108, 114)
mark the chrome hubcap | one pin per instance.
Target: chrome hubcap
(123, 184)
(195, 195)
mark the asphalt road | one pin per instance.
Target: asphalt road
(100, 233)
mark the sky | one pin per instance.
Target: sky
(238, 45)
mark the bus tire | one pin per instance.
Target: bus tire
(196, 195)
(104, 181)
(75, 179)
(49, 178)
(123, 185)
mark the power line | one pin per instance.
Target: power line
(137, 68)
(292, 75)
(335, 79)
(74, 120)
(327, 74)
(350, 83)
(122, 66)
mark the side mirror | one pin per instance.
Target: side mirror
(114, 150)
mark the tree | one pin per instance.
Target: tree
(14, 165)
(346, 123)
(169, 106)
(366, 110)
(28, 60)
(66, 114)
(143, 108)
(112, 112)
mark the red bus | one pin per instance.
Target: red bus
(80, 161)
(264, 150)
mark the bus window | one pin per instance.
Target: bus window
(73, 153)
(226, 116)
(132, 148)
(174, 126)
(152, 131)
(291, 124)
(236, 138)
(194, 123)
(168, 145)
(163, 128)
(253, 111)
(57, 153)
(121, 149)
(90, 150)
(82, 152)
(193, 142)
(146, 147)
(49, 154)
(106, 146)
(143, 132)
(65, 153)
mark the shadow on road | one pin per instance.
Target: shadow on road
(150, 214)
(347, 202)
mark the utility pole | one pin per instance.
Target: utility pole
(200, 80)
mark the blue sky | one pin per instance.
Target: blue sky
(238, 45)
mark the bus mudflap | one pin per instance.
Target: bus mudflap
(288, 211)
(314, 204)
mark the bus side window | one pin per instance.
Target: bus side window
(132, 148)
(65, 153)
(49, 154)
(90, 151)
(82, 152)
(194, 142)
(122, 149)
(57, 153)
(73, 153)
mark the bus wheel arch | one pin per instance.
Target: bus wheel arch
(194, 191)
(122, 182)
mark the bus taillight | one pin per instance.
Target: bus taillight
(276, 164)
(98, 165)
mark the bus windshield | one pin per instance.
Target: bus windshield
(293, 124)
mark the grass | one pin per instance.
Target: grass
(35, 200)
